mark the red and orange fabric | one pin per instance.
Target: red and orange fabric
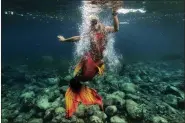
(77, 92)
(87, 96)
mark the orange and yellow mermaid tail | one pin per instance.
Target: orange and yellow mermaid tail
(71, 100)
(80, 93)
(86, 95)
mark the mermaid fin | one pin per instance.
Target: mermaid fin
(71, 99)
(77, 69)
(89, 96)
(101, 69)
(86, 95)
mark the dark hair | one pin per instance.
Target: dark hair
(94, 22)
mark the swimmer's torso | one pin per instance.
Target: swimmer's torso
(98, 42)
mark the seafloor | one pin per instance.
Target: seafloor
(143, 92)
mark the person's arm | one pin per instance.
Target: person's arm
(114, 28)
(72, 39)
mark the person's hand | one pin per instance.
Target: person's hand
(114, 9)
(116, 5)
(61, 38)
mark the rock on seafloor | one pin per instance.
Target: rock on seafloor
(111, 110)
(53, 81)
(171, 100)
(133, 109)
(132, 97)
(59, 110)
(158, 119)
(116, 119)
(80, 112)
(36, 120)
(68, 78)
(115, 99)
(173, 90)
(95, 119)
(100, 114)
(129, 87)
(43, 102)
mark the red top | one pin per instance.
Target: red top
(100, 43)
(89, 69)
(99, 36)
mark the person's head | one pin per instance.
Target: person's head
(94, 21)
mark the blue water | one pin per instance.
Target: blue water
(27, 39)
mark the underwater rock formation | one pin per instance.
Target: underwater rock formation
(43, 102)
(95, 119)
(111, 110)
(129, 88)
(158, 119)
(116, 119)
(133, 109)
(150, 92)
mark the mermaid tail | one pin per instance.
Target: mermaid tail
(77, 69)
(82, 94)
(71, 100)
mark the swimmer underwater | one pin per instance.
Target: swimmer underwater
(90, 65)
